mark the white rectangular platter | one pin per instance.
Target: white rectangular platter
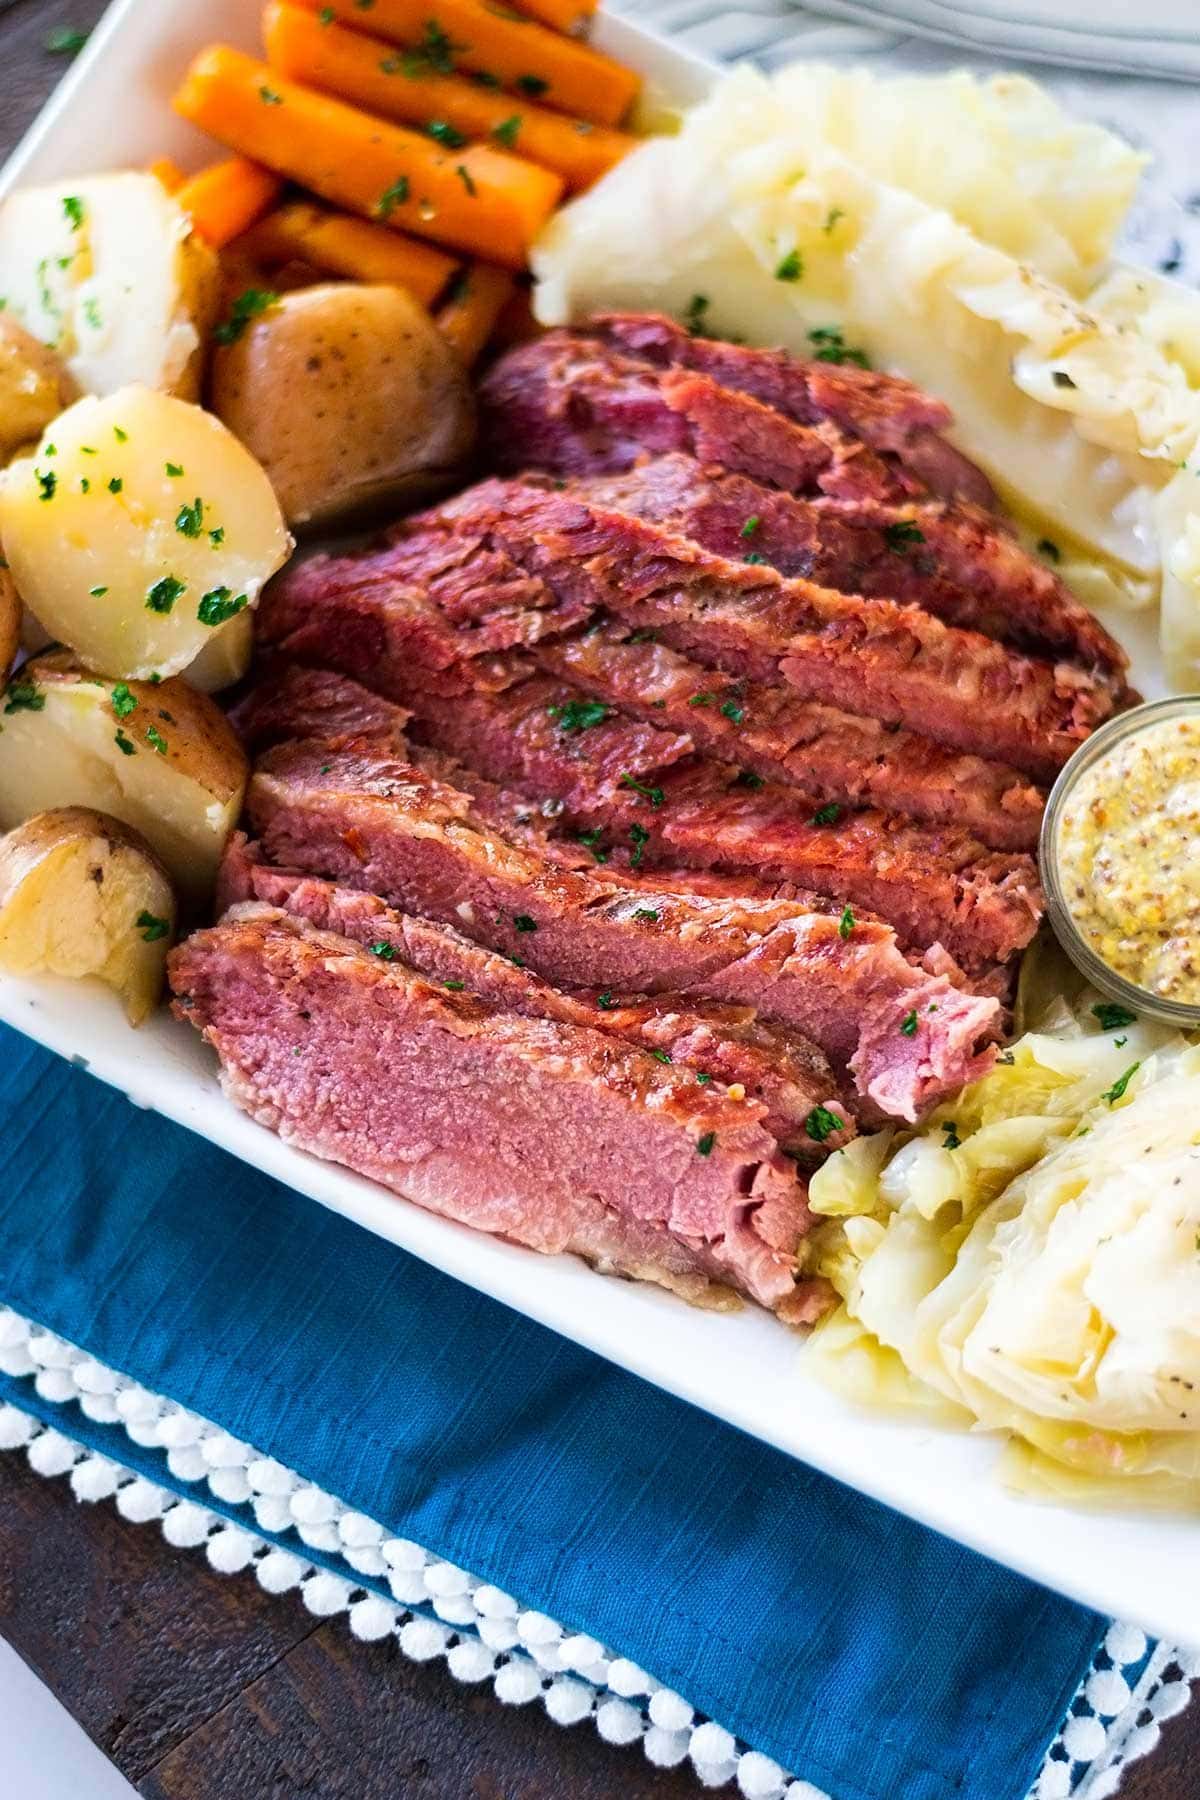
(112, 110)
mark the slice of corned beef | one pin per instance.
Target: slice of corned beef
(570, 405)
(888, 413)
(295, 701)
(952, 559)
(552, 1135)
(724, 1044)
(361, 815)
(895, 663)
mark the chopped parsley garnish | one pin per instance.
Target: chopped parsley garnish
(821, 1124)
(385, 952)
(951, 1141)
(464, 175)
(85, 486)
(92, 315)
(533, 85)
(704, 1145)
(74, 211)
(591, 841)
(151, 926)
(846, 922)
(908, 1024)
(661, 1056)
(702, 1077)
(122, 437)
(189, 520)
(746, 778)
(392, 197)
(754, 556)
(485, 79)
(654, 795)
(156, 740)
(269, 96)
(831, 218)
(1049, 549)
(647, 912)
(435, 52)
(216, 537)
(831, 347)
(827, 815)
(645, 636)
(704, 699)
(220, 604)
(751, 526)
(639, 837)
(523, 922)
(456, 987)
(326, 16)
(1114, 1093)
(364, 5)
(444, 133)
(732, 711)
(605, 1000)
(250, 304)
(47, 482)
(578, 715)
(174, 470)
(506, 131)
(67, 41)
(124, 745)
(98, 593)
(23, 696)
(903, 533)
(696, 315)
(123, 702)
(115, 484)
(790, 267)
(1113, 1017)
(163, 595)
(1062, 379)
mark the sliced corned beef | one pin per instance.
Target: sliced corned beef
(890, 414)
(360, 814)
(719, 1043)
(550, 1134)
(895, 663)
(955, 560)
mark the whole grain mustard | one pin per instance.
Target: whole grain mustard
(1129, 858)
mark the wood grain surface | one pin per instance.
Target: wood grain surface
(202, 1687)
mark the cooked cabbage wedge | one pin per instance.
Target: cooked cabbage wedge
(783, 223)
(1030, 1260)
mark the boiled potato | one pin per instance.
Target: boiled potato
(10, 620)
(224, 658)
(349, 398)
(81, 894)
(106, 271)
(157, 755)
(139, 528)
(34, 386)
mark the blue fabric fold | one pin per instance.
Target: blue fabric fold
(871, 1656)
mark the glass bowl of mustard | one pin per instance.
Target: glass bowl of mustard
(1120, 859)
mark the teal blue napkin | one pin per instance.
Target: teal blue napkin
(861, 1651)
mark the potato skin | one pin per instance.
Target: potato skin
(10, 622)
(27, 845)
(350, 399)
(34, 386)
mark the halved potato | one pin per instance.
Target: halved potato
(106, 270)
(157, 755)
(10, 620)
(351, 400)
(34, 386)
(82, 894)
(139, 528)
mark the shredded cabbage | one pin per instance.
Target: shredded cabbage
(1030, 1259)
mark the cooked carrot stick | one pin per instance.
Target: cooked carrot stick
(500, 48)
(570, 16)
(478, 199)
(167, 173)
(225, 200)
(451, 108)
(469, 316)
(342, 245)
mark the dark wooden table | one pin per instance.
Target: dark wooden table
(200, 1686)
